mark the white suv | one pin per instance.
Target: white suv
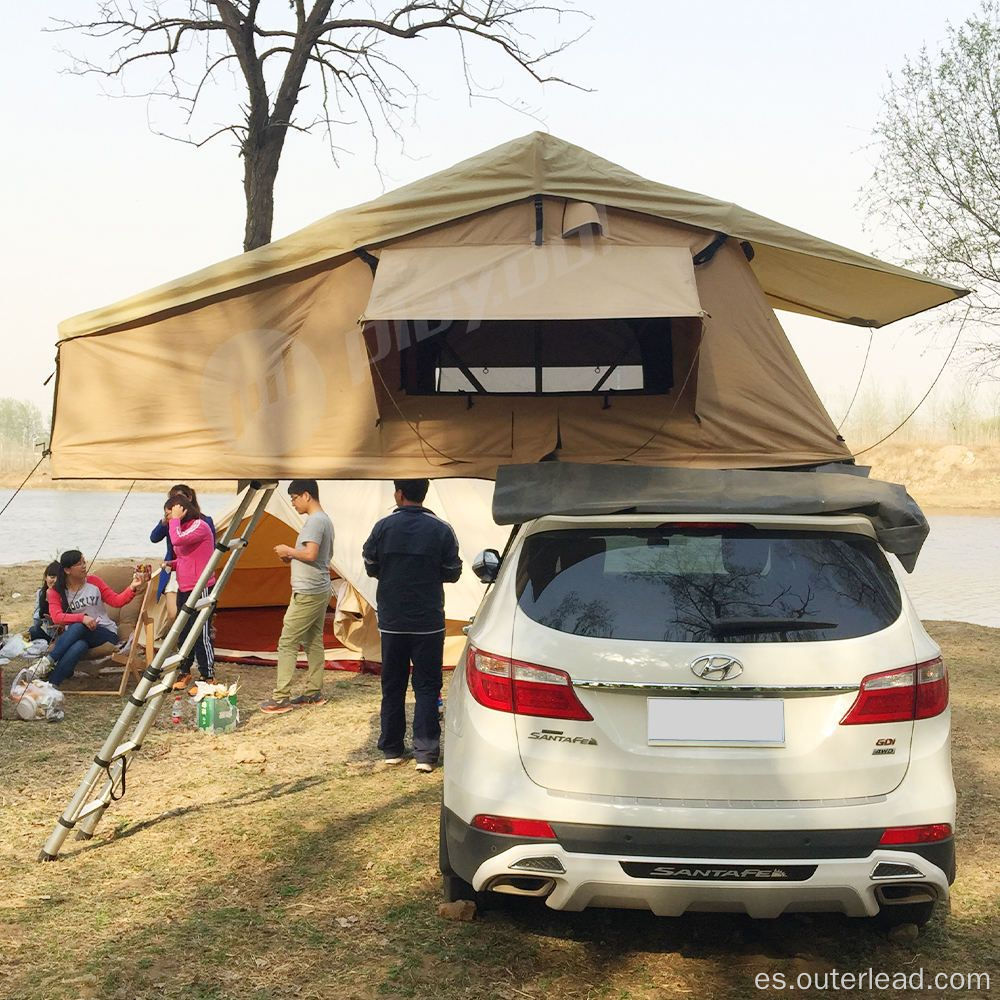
(730, 713)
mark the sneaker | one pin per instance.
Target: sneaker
(273, 707)
(309, 699)
(183, 682)
(424, 767)
(392, 761)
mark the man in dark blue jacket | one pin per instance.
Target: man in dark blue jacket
(411, 553)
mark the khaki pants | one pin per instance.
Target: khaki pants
(303, 626)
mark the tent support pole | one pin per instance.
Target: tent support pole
(85, 809)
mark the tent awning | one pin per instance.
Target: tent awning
(552, 281)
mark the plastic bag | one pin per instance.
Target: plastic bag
(35, 699)
(210, 689)
(36, 648)
(13, 645)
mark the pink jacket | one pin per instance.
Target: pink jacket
(193, 545)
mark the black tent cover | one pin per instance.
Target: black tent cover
(524, 492)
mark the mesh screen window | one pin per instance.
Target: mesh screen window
(538, 357)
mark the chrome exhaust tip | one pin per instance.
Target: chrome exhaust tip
(521, 885)
(894, 870)
(907, 892)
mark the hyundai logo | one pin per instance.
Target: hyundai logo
(716, 667)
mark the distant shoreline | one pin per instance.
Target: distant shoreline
(943, 478)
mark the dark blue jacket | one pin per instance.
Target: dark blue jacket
(412, 553)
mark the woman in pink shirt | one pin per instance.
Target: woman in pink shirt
(80, 602)
(194, 542)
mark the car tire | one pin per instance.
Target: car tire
(906, 913)
(453, 887)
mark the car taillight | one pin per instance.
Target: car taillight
(507, 685)
(489, 679)
(932, 688)
(902, 695)
(514, 827)
(927, 834)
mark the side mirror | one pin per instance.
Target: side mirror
(486, 565)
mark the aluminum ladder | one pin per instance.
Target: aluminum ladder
(85, 809)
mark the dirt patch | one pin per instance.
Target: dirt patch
(313, 873)
(938, 477)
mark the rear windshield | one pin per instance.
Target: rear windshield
(718, 583)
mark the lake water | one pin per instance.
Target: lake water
(957, 576)
(958, 573)
(40, 524)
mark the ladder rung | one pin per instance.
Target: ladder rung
(125, 748)
(172, 661)
(205, 602)
(238, 543)
(90, 807)
(154, 691)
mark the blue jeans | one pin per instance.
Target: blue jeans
(72, 644)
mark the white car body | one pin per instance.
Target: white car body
(791, 820)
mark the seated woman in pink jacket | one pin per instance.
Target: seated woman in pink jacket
(194, 542)
(80, 601)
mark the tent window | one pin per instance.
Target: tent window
(537, 357)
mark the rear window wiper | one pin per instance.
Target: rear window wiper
(733, 626)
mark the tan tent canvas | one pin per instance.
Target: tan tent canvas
(534, 301)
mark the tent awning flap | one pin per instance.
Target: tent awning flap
(552, 281)
(524, 492)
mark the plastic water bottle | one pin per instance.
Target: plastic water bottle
(440, 707)
(175, 714)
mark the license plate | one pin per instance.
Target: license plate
(715, 721)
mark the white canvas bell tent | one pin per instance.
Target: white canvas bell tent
(252, 605)
(466, 504)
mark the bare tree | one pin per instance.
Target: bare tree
(937, 178)
(22, 423)
(361, 56)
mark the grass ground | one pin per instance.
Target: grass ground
(312, 873)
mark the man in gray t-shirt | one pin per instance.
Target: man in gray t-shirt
(303, 624)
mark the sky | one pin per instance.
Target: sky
(770, 105)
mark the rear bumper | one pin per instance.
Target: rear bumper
(670, 872)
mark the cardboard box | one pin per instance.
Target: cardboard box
(218, 715)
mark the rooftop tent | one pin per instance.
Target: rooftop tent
(535, 300)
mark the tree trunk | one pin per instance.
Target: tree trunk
(260, 170)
